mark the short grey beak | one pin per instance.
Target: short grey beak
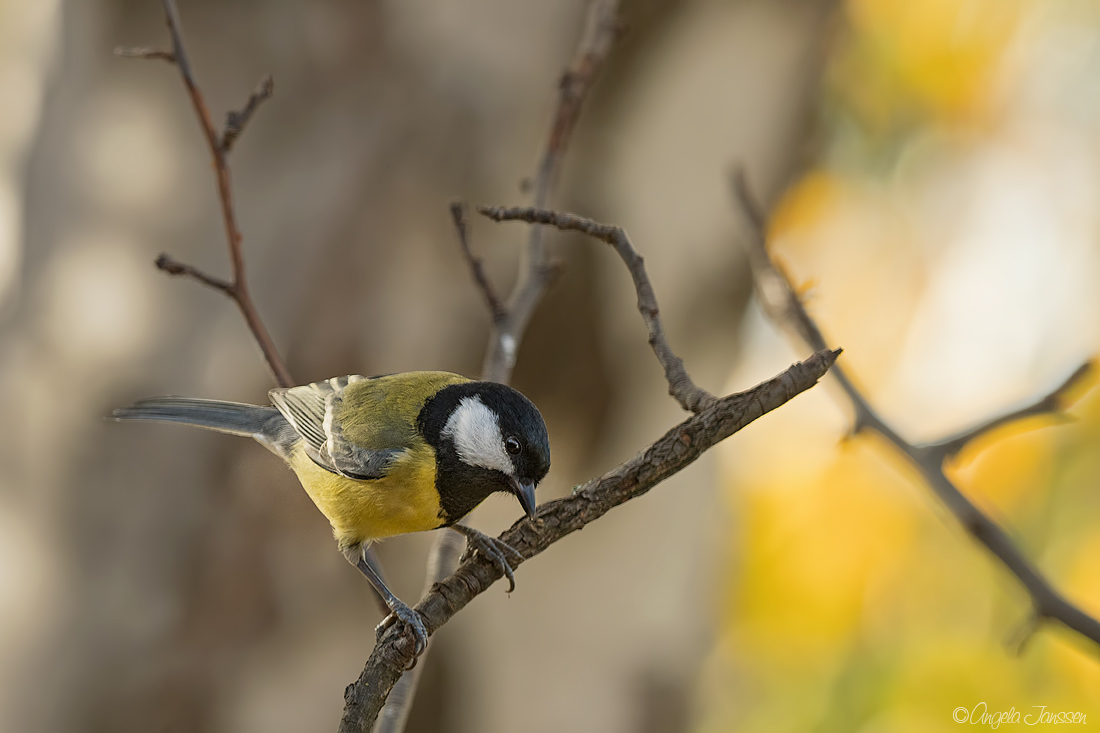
(525, 492)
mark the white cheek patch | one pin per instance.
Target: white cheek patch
(475, 431)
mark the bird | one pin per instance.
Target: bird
(389, 455)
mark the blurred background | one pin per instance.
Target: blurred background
(934, 169)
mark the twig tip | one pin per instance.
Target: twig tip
(144, 52)
(166, 263)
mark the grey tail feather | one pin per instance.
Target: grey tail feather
(265, 424)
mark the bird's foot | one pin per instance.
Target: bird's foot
(399, 612)
(492, 548)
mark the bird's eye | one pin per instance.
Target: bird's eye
(512, 446)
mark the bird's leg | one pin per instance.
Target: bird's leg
(492, 548)
(399, 611)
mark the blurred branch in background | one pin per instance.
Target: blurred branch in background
(235, 121)
(219, 145)
(536, 269)
(459, 216)
(1052, 404)
(779, 298)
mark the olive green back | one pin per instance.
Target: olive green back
(380, 413)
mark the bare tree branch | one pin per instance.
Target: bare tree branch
(673, 452)
(680, 385)
(175, 267)
(536, 269)
(782, 303)
(237, 288)
(492, 300)
(1052, 404)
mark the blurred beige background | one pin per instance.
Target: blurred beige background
(158, 578)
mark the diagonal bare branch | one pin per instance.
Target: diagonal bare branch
(477, 270)
(680, 385)
(670, 454)
(782, 303)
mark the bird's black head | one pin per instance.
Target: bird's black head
(488, 437)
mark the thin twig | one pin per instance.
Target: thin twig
(673, 452)
(680, 385)
(235, 121)
(781, 300)
(1051, 404)
(238, 288)
(144, 52)
(492, 300)
(536, 269)
(175, 267)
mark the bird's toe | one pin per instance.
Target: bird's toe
(413, 621)
(495, 549)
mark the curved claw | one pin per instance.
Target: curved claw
(492, 548)
(412, 619)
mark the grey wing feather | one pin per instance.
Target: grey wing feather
(304, 408)
(313, 410)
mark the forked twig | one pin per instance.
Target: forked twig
(237, 288)
(780, 299)
(680, 385)
(235, 121)
(1052, 404)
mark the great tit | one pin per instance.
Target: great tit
(387, 455)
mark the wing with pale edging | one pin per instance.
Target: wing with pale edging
(357, 426)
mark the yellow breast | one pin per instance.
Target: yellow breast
(404, 501)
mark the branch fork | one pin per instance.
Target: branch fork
(782, 303)
(219, 146)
